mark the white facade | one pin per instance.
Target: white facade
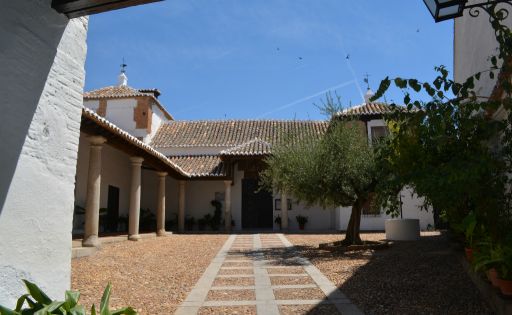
(474, 42)
(42, 80)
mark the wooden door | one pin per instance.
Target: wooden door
(257, 208)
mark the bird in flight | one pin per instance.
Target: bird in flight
(348, 56)
(300, 58)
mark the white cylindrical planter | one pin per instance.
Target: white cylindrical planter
(402, 229)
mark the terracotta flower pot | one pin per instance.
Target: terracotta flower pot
(492, 275)
(505, 286)
(469, 253)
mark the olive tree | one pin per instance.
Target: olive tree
(338, 169)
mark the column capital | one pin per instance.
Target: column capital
(97, 140)
(228, 182)
(136, 160)
(161, 174)
(182, 182)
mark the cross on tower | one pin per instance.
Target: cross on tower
(123, 66)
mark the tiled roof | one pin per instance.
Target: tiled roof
(250, 148)
(230, 133)
(134, 141)
(124, 91)
(201, 165)
(116, 91)
(367, 110)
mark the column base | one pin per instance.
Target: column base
(134, 237)
(91, 241)
(161, 233)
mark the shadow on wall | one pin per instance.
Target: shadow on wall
(27, 52)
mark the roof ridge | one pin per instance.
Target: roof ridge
(250, 120)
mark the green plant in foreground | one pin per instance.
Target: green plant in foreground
(38, 303)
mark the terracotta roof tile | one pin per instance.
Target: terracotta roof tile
(230, 133)
(115, 91)
(201, 165)
(367, 110)
(250, 148)
(125, 91)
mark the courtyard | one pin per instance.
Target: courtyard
(167, 274)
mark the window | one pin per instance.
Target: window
(370, 208)
(378, 133)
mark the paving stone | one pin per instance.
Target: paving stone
(322, 309)
(231, 295)
(299, 294)
(223, 310)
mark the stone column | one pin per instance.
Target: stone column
(133, 225)
(181, 206)
(92, 206)
(160, 212)
(227, 205)
(284, 211)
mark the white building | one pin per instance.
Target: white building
(205, 161)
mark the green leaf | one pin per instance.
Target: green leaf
(383, 87)
(93, 310)
(72, 298)
(125, 311)
(477, 76)
(491, 75)
(407, 99)
(20, 302)
(105, 300)
(54, 305)
(401, 83)
(413, 83)
(6, 311)
(37, 293)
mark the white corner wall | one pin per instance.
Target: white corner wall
(42, 84)
(474, 41)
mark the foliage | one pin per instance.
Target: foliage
(147, 220)
(467, 227)
(340, 168)
(38, 303)
(450, 149)
(302, 220)
(189, 222)
(278, 220)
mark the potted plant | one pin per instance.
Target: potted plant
(215, 221)
(486, 257)
(302, 220)
(189, 223)
(277, 221)
(504, 269)
(467, 227)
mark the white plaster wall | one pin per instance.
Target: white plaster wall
(115, 171)
(411, 210)
(92, 104)
(120, 112)
(157, 119)
(319, 219)
(474, 42)
(42, 80)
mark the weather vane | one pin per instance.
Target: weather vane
(123, 66)
(366, 80)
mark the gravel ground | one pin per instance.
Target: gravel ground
(423, 277)
(308, 309)
(152, 275)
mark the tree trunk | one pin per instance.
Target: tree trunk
(352, 236)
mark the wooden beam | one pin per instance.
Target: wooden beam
(77, 8)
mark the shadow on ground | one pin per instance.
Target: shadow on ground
(420, 277)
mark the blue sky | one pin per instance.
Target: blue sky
(216, 59)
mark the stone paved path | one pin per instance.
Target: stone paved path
(262, 274)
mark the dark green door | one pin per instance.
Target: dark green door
(257, 206)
